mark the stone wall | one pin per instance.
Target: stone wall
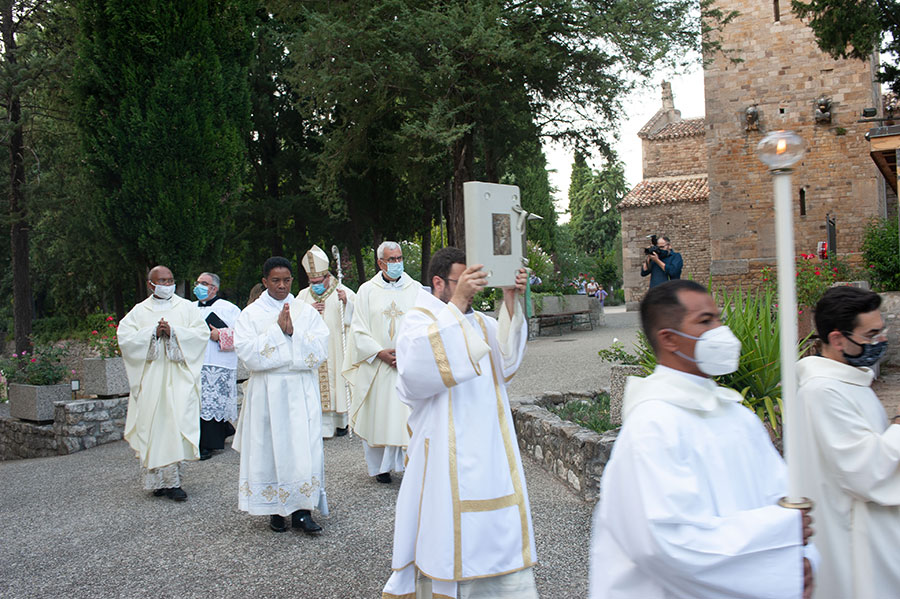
(782, 73)
(674, 157)
(687, 226)
(77, 425)
(572, 453)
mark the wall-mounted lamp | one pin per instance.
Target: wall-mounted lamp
(823, 111)
(751, 118)
(868, 113)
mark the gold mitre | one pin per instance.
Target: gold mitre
(315, 262)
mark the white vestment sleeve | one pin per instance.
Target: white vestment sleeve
(437, 351)
(310, 338)
(267, 350)
(512, 335)
(866, 463)
(656, 511)
(361, 341)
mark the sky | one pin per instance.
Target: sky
(687, 91)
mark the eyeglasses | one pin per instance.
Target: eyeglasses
(394, 260)
(164, 282)
(203, 283)
(880, 335)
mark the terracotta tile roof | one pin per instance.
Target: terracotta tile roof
(653, 124)
(656, 192)
(685, 128)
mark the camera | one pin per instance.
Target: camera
(652, 249)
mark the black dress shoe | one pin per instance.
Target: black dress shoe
(302, 519)
(277, 523)
(205, 454)
(340, 432)
(160, 492)
(176, 494)
(384, 477)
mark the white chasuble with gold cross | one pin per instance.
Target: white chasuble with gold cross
(462, 511)
(376, 413)
(333, 392)
(279, 432)
(163, 421)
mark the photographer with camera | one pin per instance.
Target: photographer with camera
(662, 263)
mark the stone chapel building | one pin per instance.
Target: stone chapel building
(703, 184)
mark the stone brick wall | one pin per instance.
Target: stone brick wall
(673, 157)
(86, 423)
(686, 224)
(571, 452)
(783, 73)
(77, 425)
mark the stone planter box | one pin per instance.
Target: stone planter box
(105, 377)
(617, 375)
(35, 402)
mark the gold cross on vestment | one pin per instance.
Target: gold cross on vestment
(268, 351)
(393, 313)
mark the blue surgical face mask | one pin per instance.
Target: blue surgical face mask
(201, 291)
(318, 288)
(395, 269)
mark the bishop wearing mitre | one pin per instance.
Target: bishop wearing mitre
(334, 303)
(376, 413)
(163, 341)
(279, 434)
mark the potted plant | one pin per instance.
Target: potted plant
(104, 376)
(35, 382)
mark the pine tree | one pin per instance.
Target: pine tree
(163, 110)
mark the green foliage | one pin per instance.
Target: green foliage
(43, 366)
(881, 252)
(616, 354)
(857, 29)
(813, 277)
(593, 203)
(589, 413)
(103, 340)
(163, 109)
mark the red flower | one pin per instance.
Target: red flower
(818, 273)
(111, 325)
(800, 312)
(834, 269)
(108, 318)
(765, 278)
(94, 333)
(34, 359)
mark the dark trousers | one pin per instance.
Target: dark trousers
(213, 433)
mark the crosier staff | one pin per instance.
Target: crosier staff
(340, 276)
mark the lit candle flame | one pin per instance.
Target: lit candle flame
(781, 147)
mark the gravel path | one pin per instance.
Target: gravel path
(80, 526)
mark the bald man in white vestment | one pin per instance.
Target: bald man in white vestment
(463, 522)
(163, 341)
(849, 452)
(689, 498)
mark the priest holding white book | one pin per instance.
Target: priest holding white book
(279, 433)
(463, 521)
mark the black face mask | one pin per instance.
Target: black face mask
(871, 353)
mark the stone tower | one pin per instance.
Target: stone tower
(779, 83)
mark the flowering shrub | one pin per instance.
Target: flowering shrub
(104, 341)
(880, 251)
(813, 277)
(43, 366)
